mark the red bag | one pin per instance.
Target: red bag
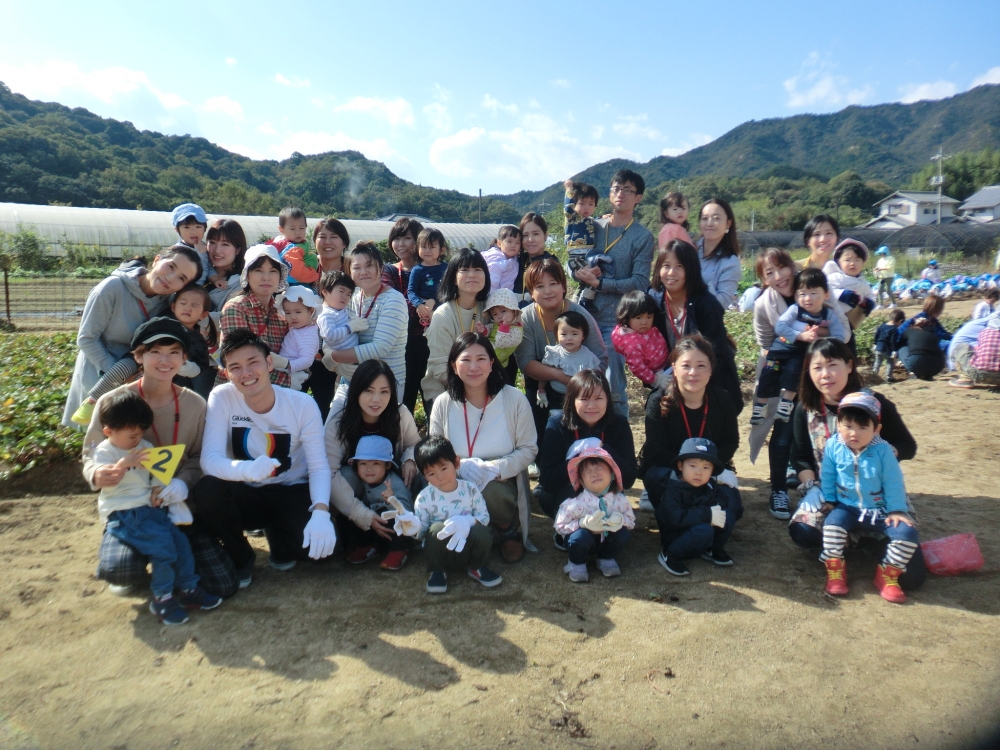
(952, 555)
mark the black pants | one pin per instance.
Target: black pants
(227, 509)
(924, 366)
(322, 383)
(779, 447)
(417, 354)
(355, 537)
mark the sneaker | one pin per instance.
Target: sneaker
(559, 541)
(718, 557)
(120, 590)
(673, 566)
(757, 415)
(836, 576)
(778, 505)
(198, 598)
(785, 409)
(437, 582)
(395, 560)
(791, 478)
(961, 383)
(255, 532)
(83, 414)
(887, 583)
(360, 555)
(245, 574)
(282, 566)
(608, 567)
(168, 611)
(644, 503)
(485, 576)
(532, 470)
(577, 572)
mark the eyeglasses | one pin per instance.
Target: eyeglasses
(627, 191)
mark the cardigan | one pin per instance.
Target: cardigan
(448, 322)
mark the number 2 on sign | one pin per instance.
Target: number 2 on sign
(162, 462)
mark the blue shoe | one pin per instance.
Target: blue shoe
(198, 598)
(437, 582)
(485, 576)
(168, 611)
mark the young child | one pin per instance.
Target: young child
(299, 306)
(191, 223)
(451, 517)
(863, 487)
(190, 306)
(599, 519)
(810, 318)
(637, 339)
(383, 490)
(132, 513)
(503, 259)
(694, 515)
(506, 331)
(292, 243)
(568, 355)
(988, 304)
(674, 210)
(580, 203)
(887, 342)
(885, 272)
(843, 274)
(425, 278)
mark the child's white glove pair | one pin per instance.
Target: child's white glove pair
(257, 470)
(458, 528)
(728, 478)
(404, 522)
(279, 362)
(598, 523)
(812, 501)
(718, 516)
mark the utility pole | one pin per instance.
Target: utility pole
(480, 205)
(753, 215)
(938, 180)
(543, 204)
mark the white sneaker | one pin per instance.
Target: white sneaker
(644, 503)
(118, 590)
(532, 471)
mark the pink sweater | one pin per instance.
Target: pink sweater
(671, 231)
(645, 353)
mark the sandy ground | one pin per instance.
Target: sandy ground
(331, 655)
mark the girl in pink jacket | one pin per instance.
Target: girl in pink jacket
(637, 339)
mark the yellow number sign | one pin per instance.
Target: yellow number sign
(163, 461)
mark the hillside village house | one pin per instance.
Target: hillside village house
(904, 208)
(984, 206)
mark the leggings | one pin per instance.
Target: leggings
(121, 372)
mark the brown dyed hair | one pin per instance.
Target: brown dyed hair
(933, 306)
(532, 218)
(776, 257)
(730, 244)
(550, 266)
(695, 343)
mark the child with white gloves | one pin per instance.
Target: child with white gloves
(299, 306)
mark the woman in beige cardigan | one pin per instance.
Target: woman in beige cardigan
(490, 426)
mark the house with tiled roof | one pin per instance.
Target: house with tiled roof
(905, 208)
(983, 206)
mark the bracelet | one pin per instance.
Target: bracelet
(807, 485)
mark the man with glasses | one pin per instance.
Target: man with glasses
(630, 246)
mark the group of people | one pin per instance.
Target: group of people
(312, 359)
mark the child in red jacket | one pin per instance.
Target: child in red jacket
(637, 339)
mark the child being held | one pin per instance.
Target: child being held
(503, 259)
(425, 278)
(293, 246)
(637, 339)
(598, 520)
(191, 223)
(694, 516)
(190, 307)
(854, 295)
(506, 330)
(887, 343)
(863, 489)
(299, 306)
(568, 355)
(131, 510)
(580, 203)
(674, 210)
(809, 319)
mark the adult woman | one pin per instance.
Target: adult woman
(489, 424)
(464, 289)
(534, 233)
(921, 339)
(115, 308)
(403, 241)
(546, 283)
(227, 245)
(385, 310)
(371, 408)
(160, 348)
(821, 235)
(587, 413)
(685, 306)
(719, 251)
(829, 374)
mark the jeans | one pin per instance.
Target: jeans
(417, 354)
(583, 543)
(616, 374)
(150, 531)
(924, 366)
(779, 448)
(903, 539)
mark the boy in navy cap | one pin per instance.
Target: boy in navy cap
(191, 223)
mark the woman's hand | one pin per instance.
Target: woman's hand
(589, 276)
(409, 471)
(108, 475)
(381, 528)
(894, 519)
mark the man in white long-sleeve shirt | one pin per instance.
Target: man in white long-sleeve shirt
(264, 464)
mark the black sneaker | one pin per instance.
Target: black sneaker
(437, 582)
(198, 598)
(485, 576)
(757, 414)
(720, 557)
(245, 574)
(559, 541)
(673, 565)
(168, 611)
(282, 565)
(778, 505)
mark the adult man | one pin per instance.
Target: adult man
(629, 245)
(264, 464)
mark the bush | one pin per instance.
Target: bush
(28, 249)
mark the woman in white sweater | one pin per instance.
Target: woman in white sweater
(491, 428)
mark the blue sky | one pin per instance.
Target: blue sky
(500, 96)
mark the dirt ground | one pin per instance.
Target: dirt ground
(332, 655)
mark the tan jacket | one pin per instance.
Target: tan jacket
(444, 328)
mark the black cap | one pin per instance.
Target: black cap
(156, 329)
(701, 448)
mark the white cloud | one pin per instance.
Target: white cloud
(816, 84)
(230, 61)
(990, 76)
(440, 94)
(294, 82)
(494, 106)
(914, 92)
(226, 106)
(396, 111)
(561, 83)
(632, 125)
(266, 128)
(438, 117)
(694, 141)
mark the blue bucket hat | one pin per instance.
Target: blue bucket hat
(188, 211)
(884, 250)
(373, 448)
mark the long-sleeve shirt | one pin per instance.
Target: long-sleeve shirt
(536, 339)
(573, 509)
(722, 275)
(887, 338)
(246, 311)
(631, 248)
(942, 333)
(670, 232)
(645, 353)
(766, 310)
(385, 338)
(987, 354)
(333, 329)
(841, 282)
(424, 283)
(569, 362)
(300, 346)
(982, 310)
(303, 262)
(616, 439)
(885, 267)
(796, 320)
(448, 322)
(869, 480)
(434, 506)
(503, 270)
(135, 488)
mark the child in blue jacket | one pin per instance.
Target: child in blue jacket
(887, 343)
(863, 487)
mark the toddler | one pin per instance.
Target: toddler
(809, 319)
(932, 273)
(503, 258)
(637, 339)
(580, 203)
(132, 513)
(674, 210)
(506, 331)
(599, 519)
(885, 272)
(191, 223)
(338, 329)
(887, 342)
(855, 296)
(694, 514)
(987, 305)
(568, 355)
(294, 248)
(425, 278)
(299, 306)
(863, 488)
(384, 492)
(190, 307)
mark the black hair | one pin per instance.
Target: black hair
(673, 198)
(288, 213)
(331, 279)
(860, 417)
(574, 320)
(613, 487)
(532, 218)
(403, 227)
(231, 232)
(350, 430)
(809, 394)
(430, 235)
(337, 227)
(582, 190)
(632, 304)
(687, 256)
(369, 249)
(813, 224)
(582, 385)
(627, 175)
(201, 291)
(188, 252)
(672, 398)
(124, 408)
(432, 451)
(897, 316)
(508, 230)
(811, 278)
(730, 243)
(237, 339)
(993, 294)
(496, 380)
(466, 258)
(190, 219)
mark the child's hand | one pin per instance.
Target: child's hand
(430, 305)
(154, 497)
(218, 281)
(894, 519)
(568, 184)
(482, 330)
(133, 459)
(423, 312)
(387, 492)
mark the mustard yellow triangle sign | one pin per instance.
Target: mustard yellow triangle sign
(162, 462)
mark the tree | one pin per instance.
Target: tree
(964, 173)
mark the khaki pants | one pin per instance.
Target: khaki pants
(501, 501)
(474, 555)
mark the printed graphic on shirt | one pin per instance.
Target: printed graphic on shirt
(248, 444)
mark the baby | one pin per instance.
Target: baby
(336, 326)
(637, 339)
(190, 307)
(568, 355)
(191, 223)
(855, 296)
(580, 203)
(502, 259)
(132, 513)
(299, 306)
(294, 247)
(506, 331)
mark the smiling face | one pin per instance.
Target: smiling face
(641, 323)
(443, 475)
(337, 298)
(470, 280)
(830, 377)
(714, 223)
(532, 239)
(161, 360)
(329, 247)
(696, 471)
(294, 230)
(170, 275)
(591, 407)
(855, 436)
(672, 274)
(548, 293)
(821, 243)
(811, 299)
(779, 278)
(570, 338)
(374, 399)
(404, 248)
(370, 471)
(191, 231)
(221, 254)
(850, 262)
(189, 308)
(595, 475)
(692, 371)
(249, 370)
(473, 366)
(366, 273)
(430, 253)
(297, 315)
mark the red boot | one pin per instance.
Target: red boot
(887, 583)
(836, 576)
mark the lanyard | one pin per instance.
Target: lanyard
(826, 419)
(541, 320)
(142, 307)
(704, 419)
(177, 414)
(678, 334)
(399, 272)
(361, 302)
(458, 317)
(607, 231)
(471, 443)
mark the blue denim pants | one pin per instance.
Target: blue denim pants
(903, 539)
(583, 543)
(616, 374)
(151, 532)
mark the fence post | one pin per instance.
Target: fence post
(5, 264)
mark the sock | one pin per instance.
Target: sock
(834, 541)
(898, 554)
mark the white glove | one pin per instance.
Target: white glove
(662, 379)
(614, 522)
(404, 522)
(458, 528)
(358, 324)
(279, 362)
(319, 535)
(542, 399)
(188, 370)
(478, 471)
(175, 492)
(180, 514)
(594, 522)
(259, 469)
(718, 516)
(728, 478)
(299, 377)
(812, 501)
(345, 370)
(328, 362)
